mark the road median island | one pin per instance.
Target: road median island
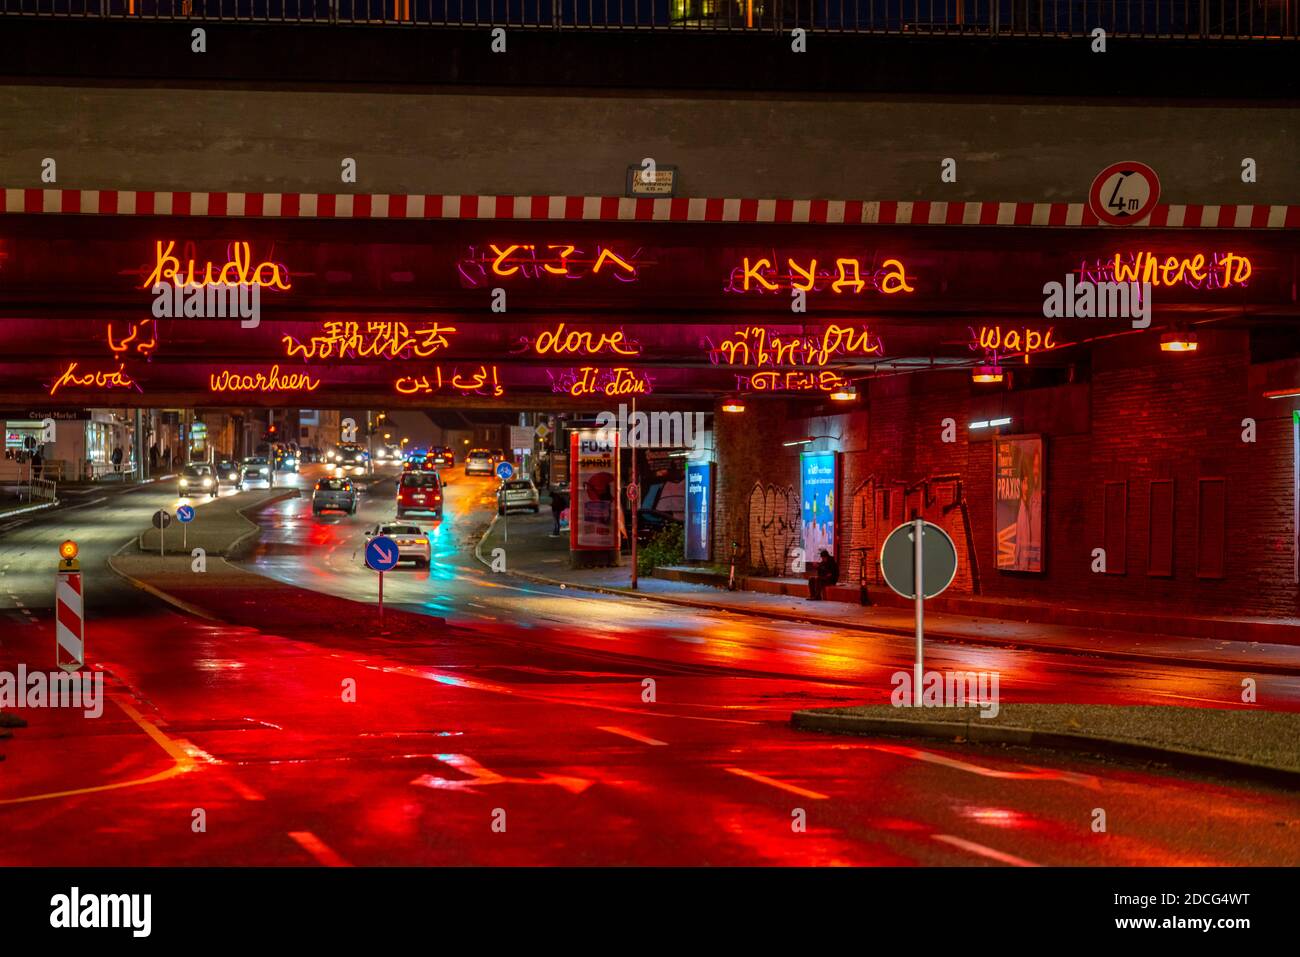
(225, 592)
(1256, 744)
(220, 528)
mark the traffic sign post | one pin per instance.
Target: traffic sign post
(504, 471)
(918, 560)
(381, 556)
(161, 519)
(632, 493)
(185, 515)
(69, 611)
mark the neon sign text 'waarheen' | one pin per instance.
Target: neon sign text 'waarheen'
(272, 381)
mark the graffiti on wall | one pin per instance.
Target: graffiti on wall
(772, 528)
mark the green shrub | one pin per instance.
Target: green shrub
(668, 547)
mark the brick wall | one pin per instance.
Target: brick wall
(1144, 416)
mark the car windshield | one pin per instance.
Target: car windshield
(478, 455)
(255, 461)
(420, 480)
(195, 471)
(334, 485)
(399, 529)
(519, 486)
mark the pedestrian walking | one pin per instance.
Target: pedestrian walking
(117, 458)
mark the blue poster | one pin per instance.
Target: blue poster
(817, 503)
(699, 504)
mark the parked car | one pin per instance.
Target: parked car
(517, 493)
(478, 462)
(227, 471)
(253, 469)
(412, 542)
(419, 492)
(334, 495)
(197, 479)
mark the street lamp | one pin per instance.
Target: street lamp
(807, 439)
(987, 374)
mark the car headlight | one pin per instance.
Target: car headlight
(185, 482)
(207, 483)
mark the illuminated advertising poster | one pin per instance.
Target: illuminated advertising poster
(1021, 470)
(699, 507)
(593, 491)
(817, 502)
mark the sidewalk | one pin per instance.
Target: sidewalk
(71, 493)
(534, 555)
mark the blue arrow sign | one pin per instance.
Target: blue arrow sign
(381, 553)
(505, 470)
(184, 513)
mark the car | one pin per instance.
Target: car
(286, 460)
(255, 468)
(351, 460)
(419, 465)
(309, 453)
(442, 456)
(499, 455)
(478, 462)
(419, 492)
(412, 542)
(517, 493)
(227, 471)
(334, 495)
(198, 479)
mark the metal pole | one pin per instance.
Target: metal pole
(381, 599)
(636, 501)
(918, 532)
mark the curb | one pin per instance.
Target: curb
(973, 732)
(1260, 668)
(159, 593)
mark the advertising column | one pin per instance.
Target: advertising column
(594, 510)
(699, 508)
(817, 484)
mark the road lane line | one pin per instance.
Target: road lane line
(983, 851)
(318, 849)
(632, 734)
(183, 762)
(792, 788)
(1032, 774)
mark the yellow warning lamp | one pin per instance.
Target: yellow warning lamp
(68, 555)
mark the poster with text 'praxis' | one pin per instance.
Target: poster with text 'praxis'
(594, 510)
(1019, 479)
(817, 503)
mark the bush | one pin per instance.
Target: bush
(668, 547)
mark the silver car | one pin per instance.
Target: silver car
(255, 469)
(334, 495)
(517, 493)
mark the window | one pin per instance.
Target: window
(1160, 530)
(1115, 527)
(1211, 500)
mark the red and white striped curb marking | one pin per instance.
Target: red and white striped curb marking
(70, 621)
(108, 202)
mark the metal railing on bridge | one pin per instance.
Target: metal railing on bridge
(1170, 19)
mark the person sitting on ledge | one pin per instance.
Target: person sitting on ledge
(827, 573)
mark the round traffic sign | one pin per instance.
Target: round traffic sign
(1124, 193)
(162, 518)
(185, 513)
(938, 560)
(505, 470)
(381, 553)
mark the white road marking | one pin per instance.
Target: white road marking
(992, 854)
(318, 849)
(624, 732)
(792, 788)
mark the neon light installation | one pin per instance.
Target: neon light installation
(118, 379)
(272, 381)
(592, 380)
(238, 269)
(539, 261)
(993, 340)
(760, 346)
(485, 380)
(825, 380)
(135, 339)
(1215, 271)
(847, 274)
(562, 341)
(378, 340)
